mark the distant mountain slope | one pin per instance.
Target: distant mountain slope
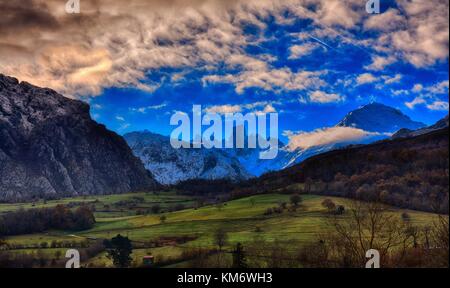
(170, 166)
(406, 172)
(50, 147)
(404, 133)
(376, 117)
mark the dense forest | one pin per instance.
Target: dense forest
(408, 173)
(43, 219)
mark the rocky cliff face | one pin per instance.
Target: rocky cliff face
(50, 147)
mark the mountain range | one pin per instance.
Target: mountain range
(171, 166)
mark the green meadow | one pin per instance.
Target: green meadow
(111, 206)
(244, 220)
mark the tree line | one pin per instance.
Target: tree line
(38, 220)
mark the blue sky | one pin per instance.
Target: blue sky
(312, 61)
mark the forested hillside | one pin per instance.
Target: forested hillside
(408, 173)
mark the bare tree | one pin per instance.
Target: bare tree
(440, 237)
(221, 240)
(367, 226)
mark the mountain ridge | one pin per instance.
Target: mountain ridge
(248, 159)
(170, 165)
(404, 133)
(377, 117)
(404, 172)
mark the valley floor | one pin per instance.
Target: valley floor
(167, 238)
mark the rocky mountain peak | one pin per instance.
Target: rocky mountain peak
(24, 105)
(50, 147)
(377, 117)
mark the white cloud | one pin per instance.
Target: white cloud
(392, 79)
(380, 62)
(223, 109)
(400, 92)
(431, 90)
(120, 118)
(365, 78)
(277, 80)
(267, 110)
(298, 51)
(420, 37)
(327, 136)
(386, 21)
(323, 97)
(147, 108)
(438, 106)
(439, 88)
(340, 13)
(417, 88)
(416, 101)
(257, 107)
(429, 96)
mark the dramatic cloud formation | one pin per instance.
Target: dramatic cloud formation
(419, 35)
(119, 43)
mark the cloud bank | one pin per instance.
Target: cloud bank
(118, 43)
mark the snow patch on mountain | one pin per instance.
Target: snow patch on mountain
(170, 166)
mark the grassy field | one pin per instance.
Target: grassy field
(243, 219)
(112, 206)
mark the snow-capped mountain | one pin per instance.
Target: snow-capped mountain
(364, 125)
(367, 124)
(250, 159)
(170, 166)
(376, 117)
